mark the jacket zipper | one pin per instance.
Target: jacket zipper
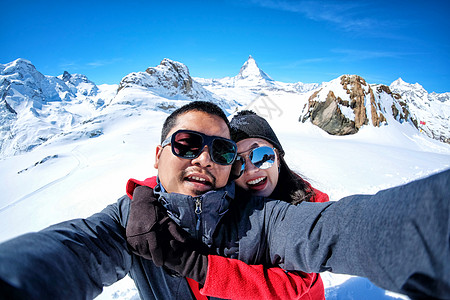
(198, 213)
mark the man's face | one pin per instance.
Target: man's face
(193, 176)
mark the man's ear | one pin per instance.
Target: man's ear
(157, 155)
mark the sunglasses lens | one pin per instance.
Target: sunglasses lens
(262, 157)
(187, 144)
(223, 151)
(238, 166)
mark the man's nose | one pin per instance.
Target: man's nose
(204, 159)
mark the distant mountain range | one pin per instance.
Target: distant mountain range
(37, 109)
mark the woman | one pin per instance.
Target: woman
(261, 170)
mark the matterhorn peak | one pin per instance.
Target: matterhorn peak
(251, 71)
(66, 76)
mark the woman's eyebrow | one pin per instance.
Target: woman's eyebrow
(253, 146)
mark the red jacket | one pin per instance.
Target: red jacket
(233, 279)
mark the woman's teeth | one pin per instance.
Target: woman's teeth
(256, 181)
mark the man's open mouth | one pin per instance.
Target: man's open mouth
(198, 179)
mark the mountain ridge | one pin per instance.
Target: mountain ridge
(36, 108)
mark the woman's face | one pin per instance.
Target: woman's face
(260, 182)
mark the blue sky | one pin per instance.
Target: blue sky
(292, 41)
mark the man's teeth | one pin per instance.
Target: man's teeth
(256, 181)
(198, 178)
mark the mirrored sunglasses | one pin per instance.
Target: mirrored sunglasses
(189, 144)
(261, 157)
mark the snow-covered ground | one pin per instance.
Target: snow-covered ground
(72, 177)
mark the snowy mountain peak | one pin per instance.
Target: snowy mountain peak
(169, 78)
(79, 84)
(250, 82)
(168, 82)
(251, 71)
(19, 63)
(20, 70)
(35, 107)
(401, 83)
(66, 76)
(168, 65)
(431, 110)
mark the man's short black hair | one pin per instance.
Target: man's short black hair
(203, 106)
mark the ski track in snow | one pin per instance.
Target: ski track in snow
(81, 159)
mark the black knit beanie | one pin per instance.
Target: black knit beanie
(247, 124)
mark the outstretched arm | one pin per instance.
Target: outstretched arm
(70, 260)
(398, 238)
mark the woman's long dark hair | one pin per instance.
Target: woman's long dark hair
(291, 187)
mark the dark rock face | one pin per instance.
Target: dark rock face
(328, 116)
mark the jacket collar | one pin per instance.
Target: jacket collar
(197, 215)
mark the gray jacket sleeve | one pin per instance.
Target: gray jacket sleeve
(398, 238)
(69, 260)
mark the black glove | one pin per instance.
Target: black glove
(188, 258)
(145, 228)
(153, 235)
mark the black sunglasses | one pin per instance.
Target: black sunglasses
(189, 144)
(261, 157)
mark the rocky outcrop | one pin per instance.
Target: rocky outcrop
(171, 81)
(353, 86)
(174, 75)
(169, 78)
(346, 104)
(328, 115)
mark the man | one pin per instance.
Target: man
(360, 235)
